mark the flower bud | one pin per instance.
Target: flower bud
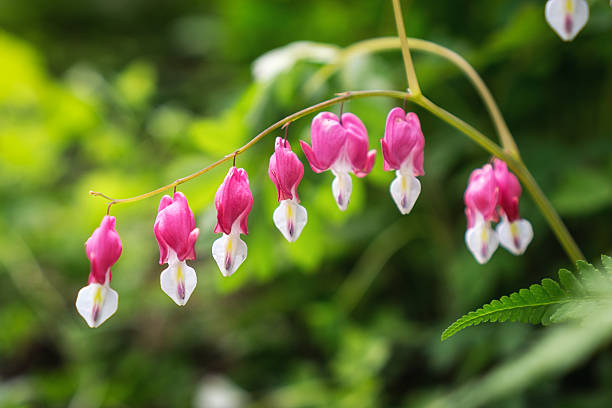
(286, 171)
(402, 148)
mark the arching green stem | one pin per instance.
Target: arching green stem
(393, 43)
(517, 166)
(230, 156)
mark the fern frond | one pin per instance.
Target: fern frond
(547, 302)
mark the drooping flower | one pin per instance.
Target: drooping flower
(176, 236)
(342, 147)
(286, 171)
(96, 302)
(481, 197)
(514, 233)
(567, 17)
(402, 148)
(233, 202)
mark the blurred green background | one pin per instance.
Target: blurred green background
(124, 96)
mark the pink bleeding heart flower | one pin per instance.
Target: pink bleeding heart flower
(481, 197)
(342, 147)
(233, 202)
(402, 148)
(176, 236)
(96, 302)
(286, 171)
(514, 233)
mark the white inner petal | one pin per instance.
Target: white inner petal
(290, 219)
(342, 187)
(178, 281)
(567, 17)
(405, 190)
(515, 236)
(482, 241)
(96, 303)
(229, 252)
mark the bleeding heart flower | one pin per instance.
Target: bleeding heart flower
(402, 148)
(342, 147)
(514, 233)
(176, 236)
(286, 171)
(567, 17)
(96, 302)
(481, 197)
(233, 202)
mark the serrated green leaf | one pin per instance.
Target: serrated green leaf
(571, 283)
(548, 302)
(593, 280)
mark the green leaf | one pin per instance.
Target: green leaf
(548, 302)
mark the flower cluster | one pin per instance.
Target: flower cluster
(338, 144)
(493, 191)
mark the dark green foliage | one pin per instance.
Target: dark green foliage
(548, 302)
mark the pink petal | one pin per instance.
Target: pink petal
(166, 200)
(233, 201)
(328, 137)
(404, 141)
(356, 143)
(163, 246)
(351, 122)
(103, 249)
(482, 192)
(368, 165)
(509, 190)
(285, 170)
(173, 225)
(312, 158)
(388, 158)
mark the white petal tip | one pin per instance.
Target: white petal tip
(405, 190)
(567, 17)
(342, 187)
(178, 281)
(96, 303)
(515, 236)
(229, 252)
(290, 219)
(482, 242)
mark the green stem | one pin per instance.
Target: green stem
(413, 83)
(393, 43)
(297, 115)
(517, 166)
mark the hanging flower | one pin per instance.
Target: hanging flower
(286, 171)
(514, 233)
(342, 147)
(176, 236)
(567, 17)
(402, 148)
(481, 197)
(96, 302)
(233, 202)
